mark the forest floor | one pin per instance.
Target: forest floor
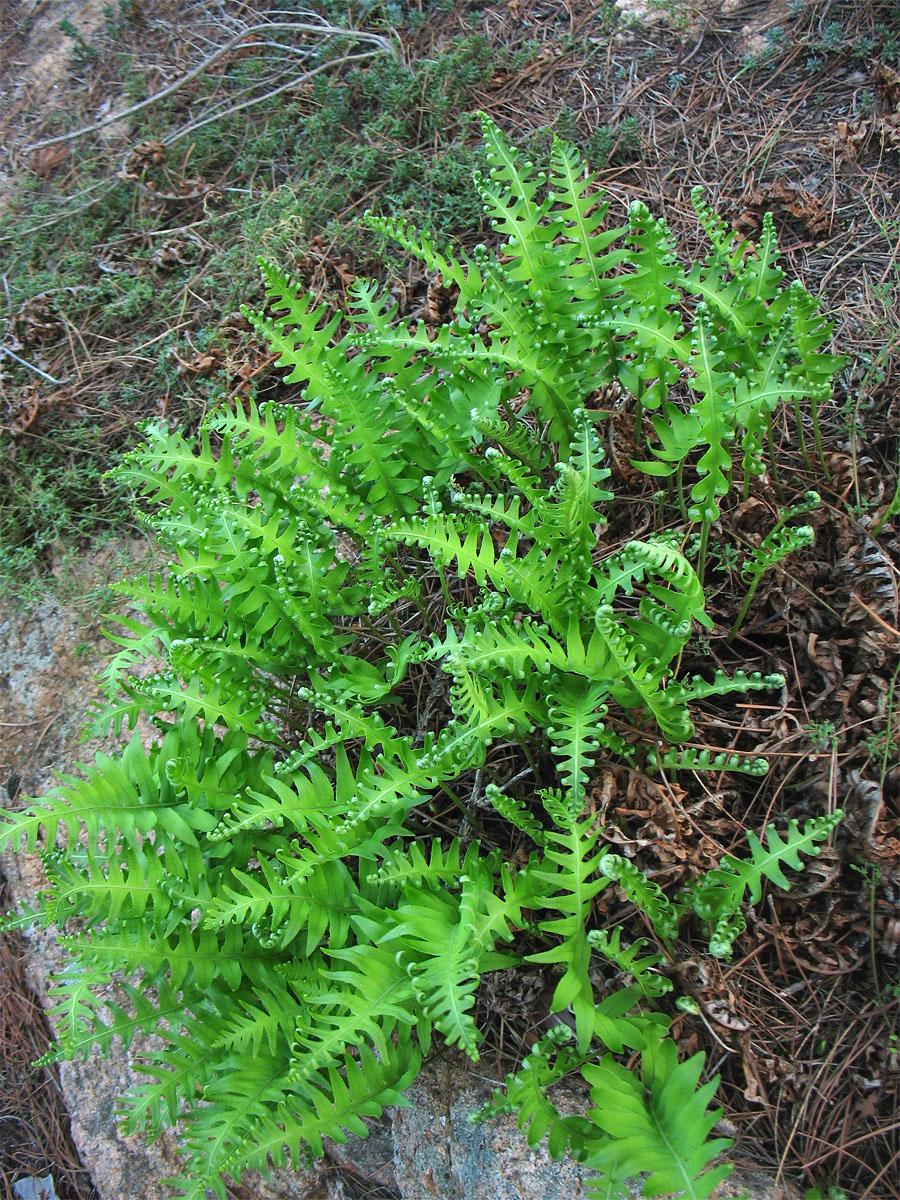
(127, 249)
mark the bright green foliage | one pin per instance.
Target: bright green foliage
(781, 541)
(717, 895)
(753, 345)
(643, 970)
(657, 1123)
(647, 895)
(272, 870)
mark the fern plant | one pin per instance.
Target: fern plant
(779, 542)
(391, 598)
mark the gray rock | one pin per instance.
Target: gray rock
(439, 1153)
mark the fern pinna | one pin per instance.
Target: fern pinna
(389, 597)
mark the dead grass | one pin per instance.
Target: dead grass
(34, 1124)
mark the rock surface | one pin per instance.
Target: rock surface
(438, 1153)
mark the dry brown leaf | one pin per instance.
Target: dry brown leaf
(887, 83)
(792, 207)
(49, 159)
(141, 158)
(201, 366)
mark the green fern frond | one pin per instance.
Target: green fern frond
(647, 895)
(656, 1126)
(689, 758)
(463, 274)
(362, 998)
(566, 881)
(775, 547)
(266, 871)
(410, 867)
(178, 1071)
(433, 941)
(721, 890)
(586, 264)
(728, 928)
(185, 957)
(516, 812)
(576, 715)
(125, 884)
(628, 961)
(277, 905)
(82, 1022)
(526, 1095)
(252, 1120)
(124, 795)
(266, 1013)
(514, 437)
(510, 197)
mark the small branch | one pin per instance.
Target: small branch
(30, 366)
(171, 139)
(382, 43)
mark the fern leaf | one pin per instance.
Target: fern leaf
(177, 1071)
(510, 197)
(526, 1095)
(656, 1125)
(464, 274)
(721, 890)
(628, 961)
(647, 895)
(121, 796)
(367, 995)
(576, 715)
(566, 881)
(440, 942)
(515, 811)
(253, 1120)
(586, 271)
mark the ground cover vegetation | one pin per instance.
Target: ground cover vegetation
(530, 590)
(284, 802)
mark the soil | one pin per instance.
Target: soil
(803, 1025)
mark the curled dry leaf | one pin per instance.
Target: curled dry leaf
(183, 250)
(887, 84)
(722, 1011)
(881, 132)
(26, 410)
(201, 366)
(141, 158)
(794, 209)
(48, 160)
(38, 320)
(826, 656)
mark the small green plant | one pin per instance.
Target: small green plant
(753, 346)
(822, 734)
(781, 541)
(83, 52)
(385, 599)
(829, 1192)
(607, 146)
